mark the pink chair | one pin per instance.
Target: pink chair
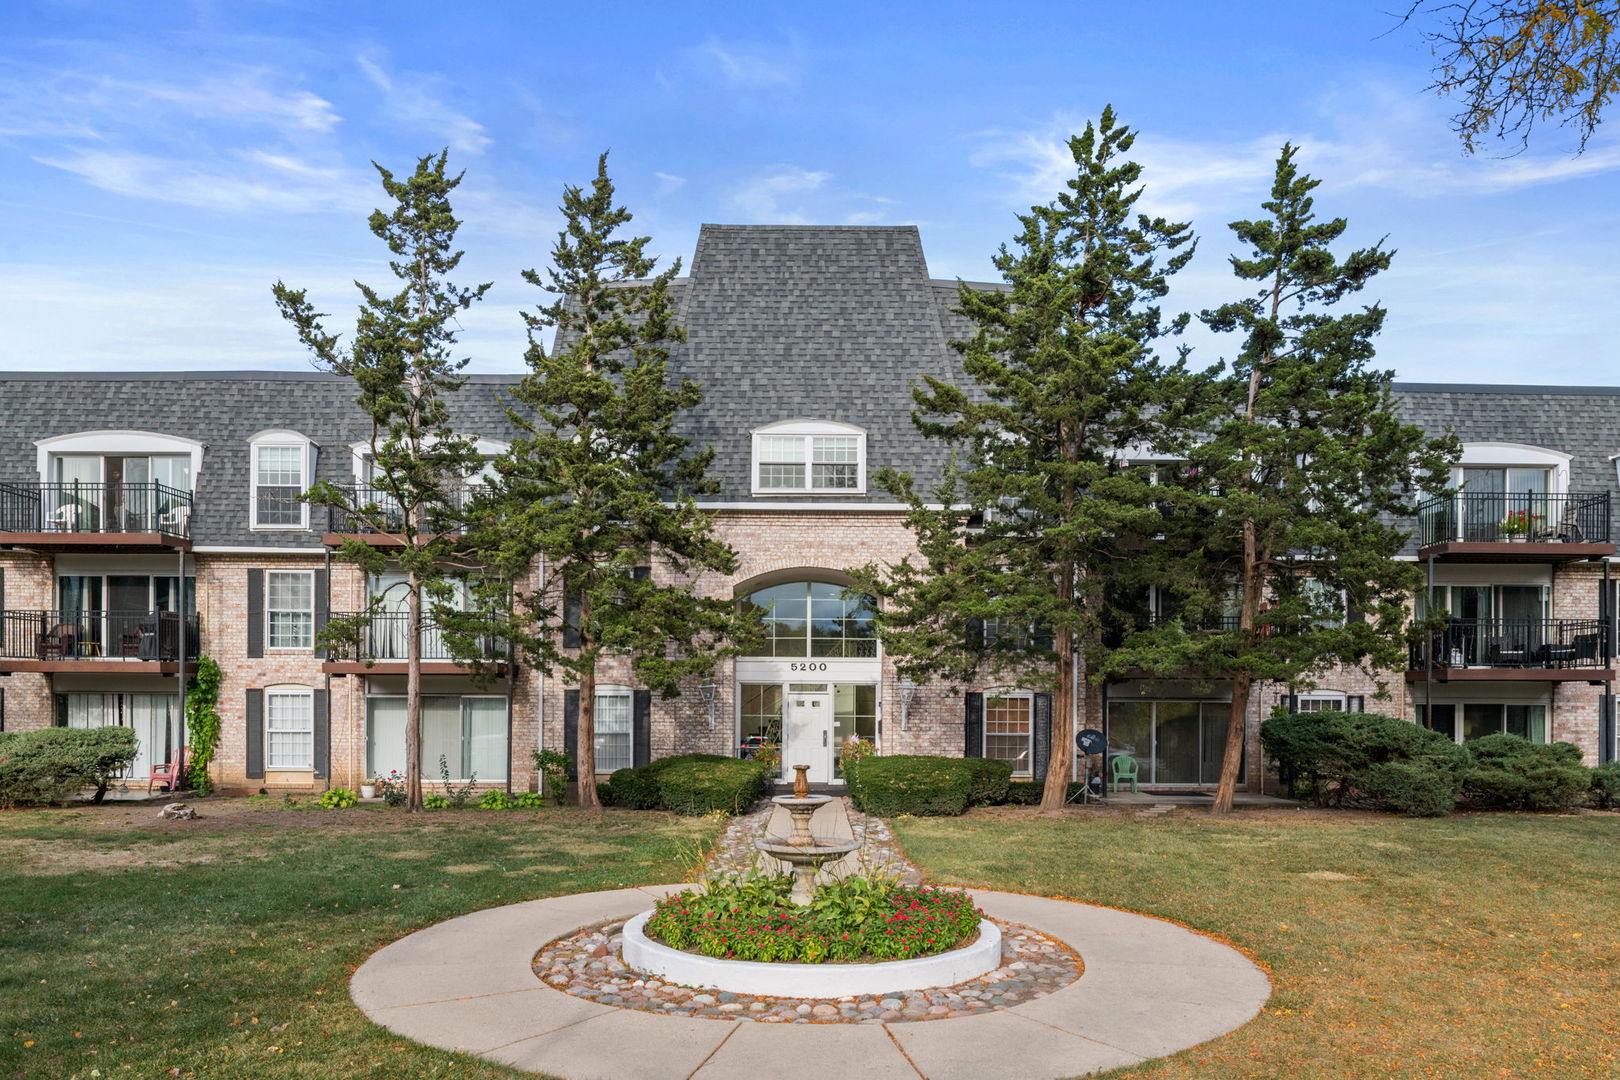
(167, 773)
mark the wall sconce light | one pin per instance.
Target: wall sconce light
(708, 692)
(908, 693)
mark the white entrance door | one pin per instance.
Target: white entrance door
(807, 731)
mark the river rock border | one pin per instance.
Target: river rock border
(1150, 988)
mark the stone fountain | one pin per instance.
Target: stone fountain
(801, 850)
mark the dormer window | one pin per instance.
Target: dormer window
(809, 456)
(282, 469)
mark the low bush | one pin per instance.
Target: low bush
(990, 779)
(1605, 790)
(554, 768)
(1029, 792)
(849, 920)
(687, 784)
(529, 800)
(910, 784)
(1337, 758)
(338, 798)
(1507, 772)
(434, 801)
(53, 765)
(495, 800)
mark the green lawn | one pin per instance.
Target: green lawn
(223, 947)
(1468, 947)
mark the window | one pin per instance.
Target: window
(155, 718)
(468, 732)
(289, 728)
(854, 717)
(290, 609)
(281, 473)
(1320, 704)
(1008, 729)
(815, 618)
(1327, 603)
(809, 456)
(1476, 719)
(1173, 742)
(613, 731)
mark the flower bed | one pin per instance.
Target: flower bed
(854, 920)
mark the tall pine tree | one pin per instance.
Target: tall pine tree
(598, 484)
(1280, 558)
(1039, 511)
(402, 360)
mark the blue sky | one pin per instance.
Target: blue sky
(166, 161)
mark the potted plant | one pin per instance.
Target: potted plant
(1517, 525)
(368, 790)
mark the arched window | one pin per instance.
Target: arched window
(283, 468)
(808, 457)
(816, 618)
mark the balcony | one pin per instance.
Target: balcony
(382, 647)
(96, 641)
(383, 525)
(1514, 650)
(1515, 527)
(93, 516)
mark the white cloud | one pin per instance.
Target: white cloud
(751, 67)
(246, 182)
(762, 200)
(412, 101)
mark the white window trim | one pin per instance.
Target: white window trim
(615, 690)
(1342, 700)
(1506, 455)
(487, 449)
(984, 725)
(115, 443)
(279, 440)
(269, 648)
(433, 776)
(807, 429)
(289, 691)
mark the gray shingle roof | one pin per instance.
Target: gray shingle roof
(784, 322)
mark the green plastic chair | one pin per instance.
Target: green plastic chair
(1123, 767)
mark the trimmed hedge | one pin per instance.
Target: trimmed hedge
(1029, 792)
(990, 781)
(687, 784)
(53, 765)
(1507, 772)
(1367, 759)
(910, 784)
(1605, 791)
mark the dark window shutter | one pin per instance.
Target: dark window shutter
(2, 708)
(1355, 703)
(1290, 702)
(323, 733)
(255, 734)
(570, 631)
(1606, 732)
(323, 608)
(255, 614)
(641, 573)
(2, 588)
(641, 728)
(571, 723)
(59, 711)
(1043, 734)
(975, 633)
(973, 725)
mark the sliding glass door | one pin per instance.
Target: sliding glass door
(1174, 742)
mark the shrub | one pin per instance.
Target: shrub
(53, 765)
(1507, 772)
(1335, 754)
(434, 801)
(1410, 788)
(495, 800)
(338, 798)
(554, 767)
(910, 784)
(990, 781)
(1029, 792)
(729, 785)
(1606, 786)
(849, 920)
(529, 800)
(687, 784)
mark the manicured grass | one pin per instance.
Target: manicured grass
(223, 947)
(1472, 946)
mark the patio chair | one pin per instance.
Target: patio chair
(60, 643)
(1508, 652)
(1569, 528)
(167, 774)
(1122, 767)
(175, 522)
(64, 519)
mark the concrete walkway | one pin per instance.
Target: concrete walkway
(1150, 988)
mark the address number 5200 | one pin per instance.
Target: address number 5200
(807, 667)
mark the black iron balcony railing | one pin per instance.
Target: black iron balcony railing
(384, 638)
(94, 508)
(1514, 643)
(380, 513)
(1504, 518)
(96, 635)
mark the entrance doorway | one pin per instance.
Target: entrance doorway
(807, 730)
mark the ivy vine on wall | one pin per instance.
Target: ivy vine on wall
(203, 722)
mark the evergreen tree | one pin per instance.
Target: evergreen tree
(401, 360)
(598, 482)
(1039, 513)
(1281, 552)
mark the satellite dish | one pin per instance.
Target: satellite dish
(1090, 741)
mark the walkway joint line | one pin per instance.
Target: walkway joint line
(902, 1051)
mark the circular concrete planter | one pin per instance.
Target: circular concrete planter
(810, 980)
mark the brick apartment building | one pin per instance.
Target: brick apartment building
(145, 517)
